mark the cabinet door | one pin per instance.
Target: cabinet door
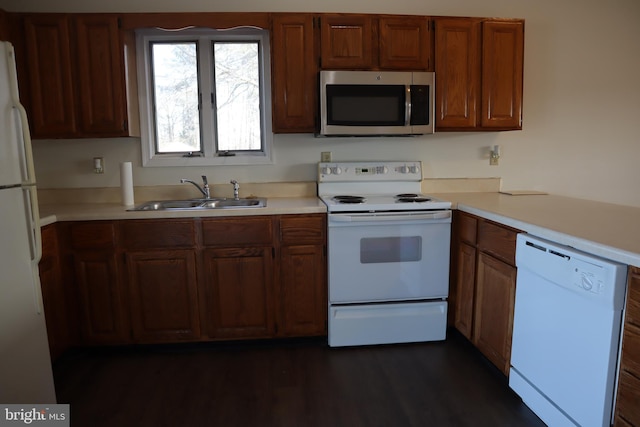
(53, 294)
(627, 411)
(495, 298)
(502, 68)
(100, 75)
(102, 318)
(163, 295)
(465, 275)
(405, 43)
(457, 57)
(294, 73)
(303, 290)
(346, 41)
(52, 105)
(238, 283)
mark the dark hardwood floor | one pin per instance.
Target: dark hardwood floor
(287, 383)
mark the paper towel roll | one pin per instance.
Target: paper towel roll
(126, 183)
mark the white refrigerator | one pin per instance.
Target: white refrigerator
(25, 364)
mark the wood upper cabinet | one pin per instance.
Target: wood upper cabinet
(627, 411)
(457, 52)
(502, 74)
(161, 279)
(303, 278)
(100, 76)
(294, 75)
(75, 75)
(238, 262)
(405, 43)
(479, 69)
(51, 104)
(346, 41)
(352, 41)
(484, 282)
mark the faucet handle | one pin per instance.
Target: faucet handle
(204, 180)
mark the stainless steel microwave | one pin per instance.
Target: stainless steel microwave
(359, 103)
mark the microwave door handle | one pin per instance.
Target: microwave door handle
(407, 105)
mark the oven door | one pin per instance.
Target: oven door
(391, 256)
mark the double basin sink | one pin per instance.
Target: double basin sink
(201, 204)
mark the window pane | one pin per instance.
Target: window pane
(175, 90)
(237, 81)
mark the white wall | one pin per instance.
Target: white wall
(581, 105)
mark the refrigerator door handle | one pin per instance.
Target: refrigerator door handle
(35, 242)
(23, 121)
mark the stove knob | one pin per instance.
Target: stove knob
(336, 170)
(404, 169)
(326, 171)
(413, 169)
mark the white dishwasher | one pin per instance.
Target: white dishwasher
(566, 332)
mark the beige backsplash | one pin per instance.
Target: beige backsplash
(269, 189)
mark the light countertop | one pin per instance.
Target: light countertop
(110, 211)
(604, 229)
(608, 230)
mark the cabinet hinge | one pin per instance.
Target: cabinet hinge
(125, 125)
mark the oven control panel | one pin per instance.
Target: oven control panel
(370, 171)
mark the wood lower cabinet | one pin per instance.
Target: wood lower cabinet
(484, 282)
(195, 279)
(465, 288)
(102, 310)
(161, 279)
(240, 286)
(627, 410)
(493, 313)
(54, 294)
(163, 295)
(303, 276)
(238, 262)
(101, 303)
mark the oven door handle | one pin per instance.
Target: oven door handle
(381, 217)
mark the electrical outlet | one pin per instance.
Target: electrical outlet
(325, 156)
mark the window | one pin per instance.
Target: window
(204, 97)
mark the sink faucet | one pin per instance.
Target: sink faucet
(205, 186)
(236, 189)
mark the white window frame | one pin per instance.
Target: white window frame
(205, 37)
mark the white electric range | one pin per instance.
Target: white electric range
(388, 253)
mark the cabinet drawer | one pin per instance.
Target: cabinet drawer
(299, 230)
(497, 240)
(140, 234)
(633, 299)
(237, 231)
(49, 242)
(92, 235)
(467, 227)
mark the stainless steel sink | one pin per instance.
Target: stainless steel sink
(201, 204)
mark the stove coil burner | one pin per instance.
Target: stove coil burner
(411, 198)
(349, 199)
